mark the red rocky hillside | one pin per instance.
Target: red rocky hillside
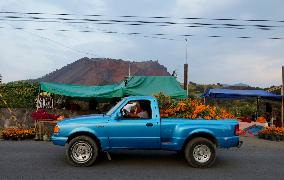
(99, 71)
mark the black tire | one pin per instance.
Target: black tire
(82, 151)
(200, 153)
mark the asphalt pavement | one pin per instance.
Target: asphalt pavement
(257, 159)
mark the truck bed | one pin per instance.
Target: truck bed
(174, 131)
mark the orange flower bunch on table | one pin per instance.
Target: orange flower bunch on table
(18, 133)
(261, 119)
(189, 108)
(272, 133)
(273, 130)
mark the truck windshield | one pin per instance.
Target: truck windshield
(115, 107)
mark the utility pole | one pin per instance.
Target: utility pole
(0, 79)
(129, 72)
(282, 93)
(185, 82)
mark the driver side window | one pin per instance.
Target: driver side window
(140, 109)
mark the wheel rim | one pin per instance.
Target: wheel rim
(81, 152)
(201, 153)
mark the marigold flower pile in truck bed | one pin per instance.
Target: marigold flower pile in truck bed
(189, 108)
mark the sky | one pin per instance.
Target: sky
(31, 49)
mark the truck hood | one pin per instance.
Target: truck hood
(86, 119)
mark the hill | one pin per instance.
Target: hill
(101, 71)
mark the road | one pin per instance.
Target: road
(257, 159)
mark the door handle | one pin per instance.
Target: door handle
(149, 124)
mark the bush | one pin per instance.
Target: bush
(18, 94)
(18, 133)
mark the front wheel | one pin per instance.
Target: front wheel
(82, 151)
(200, 153)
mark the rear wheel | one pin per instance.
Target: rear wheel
(82, 151)
(200, 153)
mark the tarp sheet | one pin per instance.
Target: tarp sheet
(80, 91)
(230, 93)
(136, 85)
(150, 85)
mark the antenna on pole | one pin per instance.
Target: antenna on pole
(185, 50)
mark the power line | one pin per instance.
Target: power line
(63, 18)
(140, 22)
(179, 37)
(147, 17)
(55, 42)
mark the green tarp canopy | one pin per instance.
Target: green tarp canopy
(134, 86)
(81, 91)
(150, 85)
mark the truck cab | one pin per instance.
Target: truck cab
(135, 132)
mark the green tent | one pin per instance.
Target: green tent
(134, 86)
(80, 91)
(150, 85)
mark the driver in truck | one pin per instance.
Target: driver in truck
(140, 111)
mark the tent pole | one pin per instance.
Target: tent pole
(257, 107)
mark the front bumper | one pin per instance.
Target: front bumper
(61, 141)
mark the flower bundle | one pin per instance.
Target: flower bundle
(18, 133)
(261, 119)
(43, 114)
(272, 133)
(189, 108)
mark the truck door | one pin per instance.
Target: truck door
(142, 132)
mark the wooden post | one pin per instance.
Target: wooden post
(204, 90)
(282, 93)
(185, 82)
(185, 86)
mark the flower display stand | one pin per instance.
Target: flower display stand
(44, 128)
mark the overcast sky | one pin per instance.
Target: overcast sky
(30, 53)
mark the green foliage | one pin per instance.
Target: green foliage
(164, 101)
(196, 90)
(238, 107)
(18, 94)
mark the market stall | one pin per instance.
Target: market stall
(242, 94)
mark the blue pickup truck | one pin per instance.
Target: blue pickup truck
(122, 128)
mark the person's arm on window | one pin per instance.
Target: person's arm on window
(143, 114)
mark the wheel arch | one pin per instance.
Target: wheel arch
(84, 133)
(205, 135)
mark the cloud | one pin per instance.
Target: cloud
(201, 7)
(253, 69)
